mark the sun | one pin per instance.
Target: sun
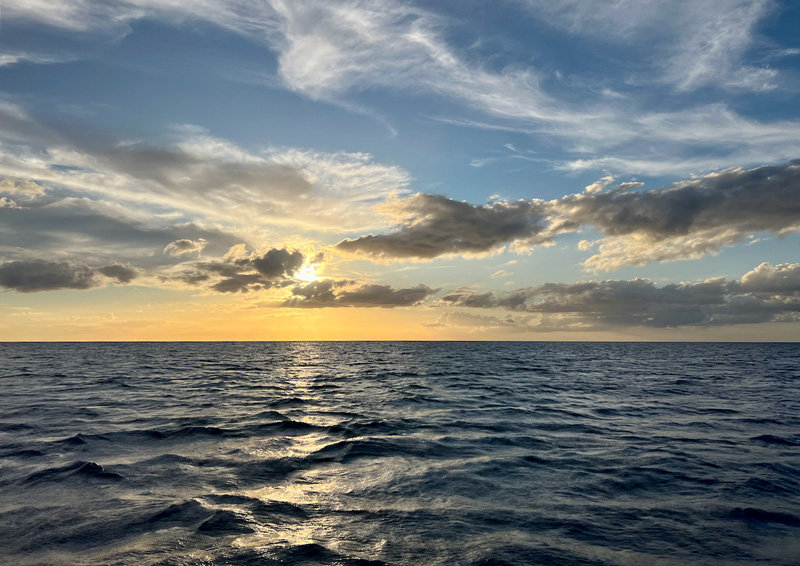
(308, 273)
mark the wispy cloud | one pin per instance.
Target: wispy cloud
(690, 44)
(10, 58)
(200, 174)
(331, 51)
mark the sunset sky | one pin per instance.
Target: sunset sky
(317, 170)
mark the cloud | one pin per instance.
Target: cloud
(692, 44)
(14, 186)
(482, 322)
(39, 275)
(334, 50)
(766, 294)
(432, 226)
(15, 58)
(241, 283)
(199, 174)
(327, 50)
(240, 273)
(122, 273)
(688, 219)
(600, 184)
(783, 279)
(185, 247)
(330, 293)
(277, 263)
(95, 231)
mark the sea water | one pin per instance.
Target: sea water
(404, 453)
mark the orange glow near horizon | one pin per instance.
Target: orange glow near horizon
(214, 318)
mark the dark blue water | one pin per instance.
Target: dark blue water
(400, 453)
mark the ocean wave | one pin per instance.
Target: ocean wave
(401, 454)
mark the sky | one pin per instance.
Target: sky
(400, 170)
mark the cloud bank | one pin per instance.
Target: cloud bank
(765, 294)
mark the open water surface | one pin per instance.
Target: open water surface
(399, 453)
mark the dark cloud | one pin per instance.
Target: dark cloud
(241, 283)
(330, 293)
(686, 220)
(78, 226)
(39, 275)
(765, 199)
(181, 171)
(273, 268)
(122, 273)
(277, 263)
(765, 294)
(433, 226)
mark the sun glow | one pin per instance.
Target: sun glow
(307, 273)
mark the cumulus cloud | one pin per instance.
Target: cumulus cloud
(40, 275)
(331, 293)
(766, 294)
(783, 279)
(241, 273)
(688, 219)
(277, 263)
(600, 184)
(431, 226)
(185, 247)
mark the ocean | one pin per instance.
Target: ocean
(399, 453)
